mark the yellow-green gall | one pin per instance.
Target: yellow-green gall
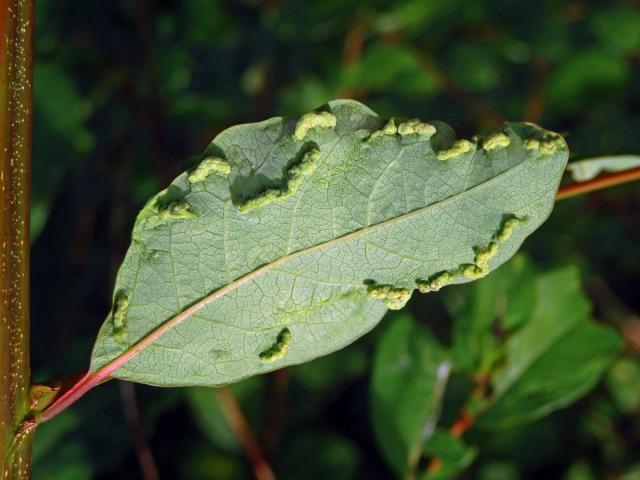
(313, 120)
(390, 128)
(551, 145)
(435, 283)
(119, 315)
(483, 255)
(507, 228)
(207, 167)
(532, 144)
(279, 348)
(495, 141)
(178, 209)
(415, 126)
(296, 174)
(394, 298)
(473, 271)
(306, 166)
(458, 148)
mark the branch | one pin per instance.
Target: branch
(16, 80)
(275, 406)
(603, 181)
(240, 426)
(132, 415)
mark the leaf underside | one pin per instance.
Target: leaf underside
(292, 238)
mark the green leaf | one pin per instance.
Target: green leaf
(318, 455)
(588, 77)
(554, 359)
(292, 238)
(622, 374)
(403, 72)
(488, 311)
(452, 455)
(590, 168)
(410, 373)
(59, 140)
(618, 26)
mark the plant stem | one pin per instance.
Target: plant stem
(261, 468)
(603, 181)
(16, 79)
(132, 414)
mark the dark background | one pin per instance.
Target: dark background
(129, 92)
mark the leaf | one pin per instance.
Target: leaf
(319, 455)
(64, 138)
(292, 238)
(589, 77)
(554, 359)
(403, 72)
(452, 455)
(624, 373)
(410, 372)
(589, 169)
(618, 27)
(488, 311)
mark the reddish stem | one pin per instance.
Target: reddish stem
(261, 468)
(603, 181)
(16, 74)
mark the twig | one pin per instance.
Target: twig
(354, 39)
(278, 383)
(534, 104)
(603, 181)
(261, 468)
(132, 415)
(352, 50)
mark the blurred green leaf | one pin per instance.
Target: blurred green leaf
(403, 72)
(318, 455)
(198, 462)
(88, 439)
(623, 381)
(452, 455)
(61, 138)
(488, 312)
(586, 77)
(325, 373)
(558, 356)
(618, 26)
(416, 16)
(410, 372)
(476, 67)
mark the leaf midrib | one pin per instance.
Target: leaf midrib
(144, 342)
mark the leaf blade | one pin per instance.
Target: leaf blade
(372, 210)
(556, 358)
(410, 373)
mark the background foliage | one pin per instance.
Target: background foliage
(128, 93)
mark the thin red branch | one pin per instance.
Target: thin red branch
(603, 181)
(275, 406)
(132, 414)
(261, 468)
